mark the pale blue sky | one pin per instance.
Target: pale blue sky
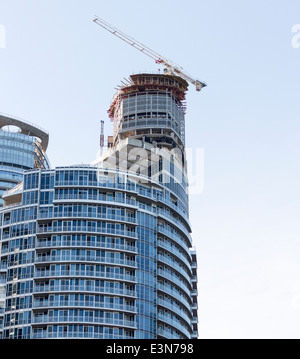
(59, 70)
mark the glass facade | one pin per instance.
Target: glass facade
(91, 253)
(104, 251)
(152, 109)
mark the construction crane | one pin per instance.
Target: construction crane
(170, 67)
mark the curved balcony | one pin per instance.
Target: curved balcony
(86, 229)
(46, 319)
(46, 304)
(63, 216)
(175, 324)
(62, 198)
(175, 309)
(166, 334)
(177, 224)
(177, 209)
(84, 274)
(68, 243)
(172, 249)
(86, 258)
(175, 237)
(175, 266)
(175, 294)
(76, 334)
(84, 289)
(90, 184)
(174, 280)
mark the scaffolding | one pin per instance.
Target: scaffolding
(149, 103)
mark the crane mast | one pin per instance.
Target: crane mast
(170, 67)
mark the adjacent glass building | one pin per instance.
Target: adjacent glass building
(104, 251)
(22, 147)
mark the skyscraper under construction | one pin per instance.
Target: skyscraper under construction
(104, 250)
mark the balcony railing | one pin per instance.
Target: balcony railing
(78, 288)
(176, 266)
(42, 319)
(76, 334)
(174, 279)
(172, 249)
(84, 244)
(87, 229)
(175, 323)
(167, 334)
(175, 308)
(175, 294)
(94, 198)
(176, 237)
(84, 258)
(83, 304)
(47, 215)
(75, 273)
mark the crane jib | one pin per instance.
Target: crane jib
(172, 67)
